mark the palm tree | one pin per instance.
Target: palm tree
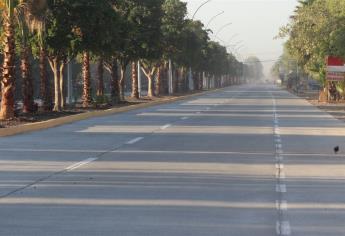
(27, 82)
(86, 80)
(8, 74)
(25, 11)
(100, 75)
(36, 18)
(135, 84)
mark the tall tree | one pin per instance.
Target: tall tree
(90, 19)
(173, 28)
(314, 32)
(8, 76)
(11, 8)
(150, 39)
(60, 45)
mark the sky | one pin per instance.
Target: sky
(253, 25)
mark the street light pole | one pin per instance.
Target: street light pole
(232, 37)
(203, 4)
(190, 68)
(213, 18)
(222, 28)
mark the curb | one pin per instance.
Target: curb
(26, 128)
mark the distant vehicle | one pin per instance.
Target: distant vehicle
(314, 85)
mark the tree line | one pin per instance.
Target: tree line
(114, 34)
(316, 30)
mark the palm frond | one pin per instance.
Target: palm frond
(34, 14)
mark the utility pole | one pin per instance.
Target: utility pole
(171, 89)
(139, 79)
(190, 79)
(69, 83)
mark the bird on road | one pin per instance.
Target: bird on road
(336, 149)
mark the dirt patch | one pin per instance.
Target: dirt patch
(40, 116)
(337, 110)
(22, 119)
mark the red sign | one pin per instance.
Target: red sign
(335, 61)
(335, 69)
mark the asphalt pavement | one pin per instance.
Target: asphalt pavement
(246, 160)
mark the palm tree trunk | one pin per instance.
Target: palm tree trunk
(201, 81)
(135, 84)
(158, 81)
(8, 78)
(27, 83)
(114, 82)
(44, 85)
(86, 80)
(100, 78)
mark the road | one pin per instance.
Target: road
(247, 160)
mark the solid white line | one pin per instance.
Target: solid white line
(281, 188)
(79, 164)
(133, 141)
(165, 126)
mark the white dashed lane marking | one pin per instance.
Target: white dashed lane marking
(133, 141)
(165, 126)
(281, 188)
(283, 228)
(80, 164)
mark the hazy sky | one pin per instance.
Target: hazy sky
(255, 23)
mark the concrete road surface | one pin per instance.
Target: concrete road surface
(245, 161)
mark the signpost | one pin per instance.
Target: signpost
(335, 69)
(335, 72)
(335, 76)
